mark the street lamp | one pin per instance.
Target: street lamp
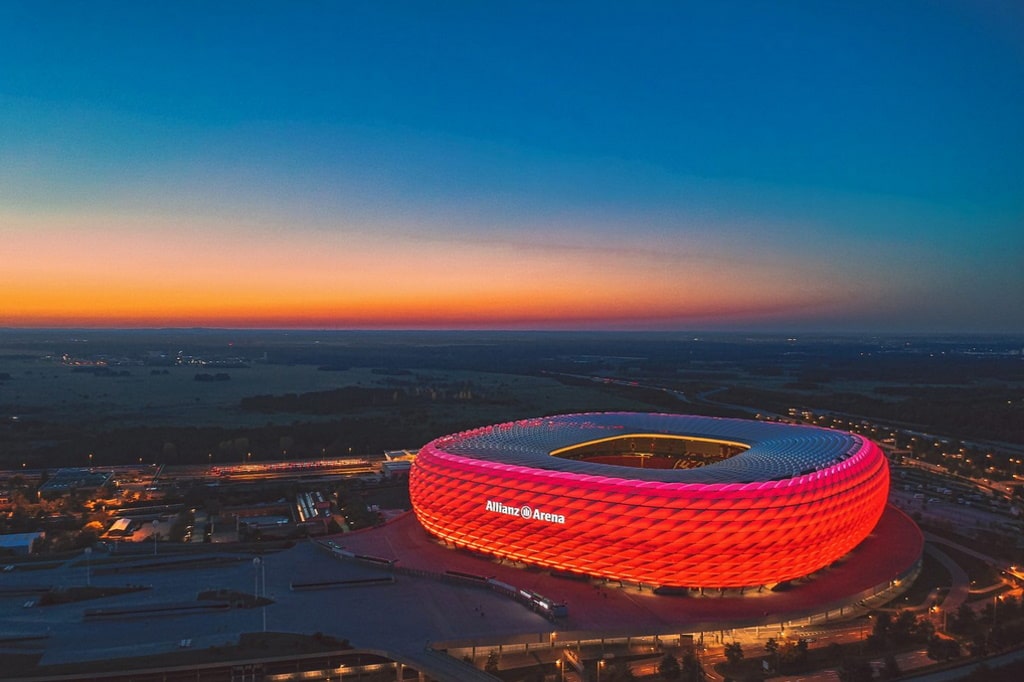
(561, 669)
(600, 665)
(936, 609)
(155, 522)
(88, 566)
(260, 567)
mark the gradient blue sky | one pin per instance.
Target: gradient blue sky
(662, 165)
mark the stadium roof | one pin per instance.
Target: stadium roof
(776, 451)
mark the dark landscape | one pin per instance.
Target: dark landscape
(192, 396)
(176, 458)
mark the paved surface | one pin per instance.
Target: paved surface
(403, 617)
(891, 549)
(399, 617)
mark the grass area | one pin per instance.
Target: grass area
(113, 559)
(38, 565)
(197, 418)
(255, 645)
(76, 594)
(980, 573)
(988, 543)
(51, 391)
(933, 574)
(239, 600)
(165, 563)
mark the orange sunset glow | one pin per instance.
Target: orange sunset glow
(134, 276)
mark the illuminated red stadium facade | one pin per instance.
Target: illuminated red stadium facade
(658, 499)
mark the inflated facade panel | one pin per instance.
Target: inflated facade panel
(798, 499)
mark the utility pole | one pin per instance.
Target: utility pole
(88, 566)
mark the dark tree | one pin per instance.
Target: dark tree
(669, 668)
(963, 620)
(978, 645)
(942, 648)
(691, 667)
(903, 627)
(734, 652)
(923, 630)
(771, 647)
(883, 625)
(792, 653)
(997, 638)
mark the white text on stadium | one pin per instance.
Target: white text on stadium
(524, 512)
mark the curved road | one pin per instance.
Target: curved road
(959, 582)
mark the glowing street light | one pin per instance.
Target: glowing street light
(937, 609)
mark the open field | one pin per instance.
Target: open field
(45, 390)
(176, 396)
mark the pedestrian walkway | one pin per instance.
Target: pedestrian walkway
(960, 583)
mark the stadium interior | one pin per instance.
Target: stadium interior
(652, 451)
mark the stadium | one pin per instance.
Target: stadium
(663, 500)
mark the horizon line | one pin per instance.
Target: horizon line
(513, 330)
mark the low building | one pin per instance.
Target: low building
(18, 543)
(67, 481)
